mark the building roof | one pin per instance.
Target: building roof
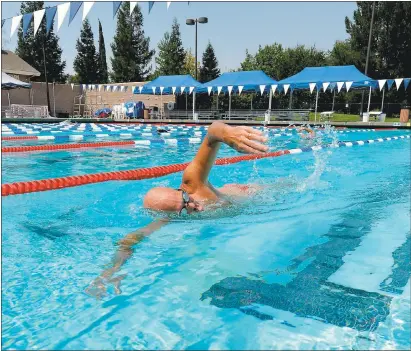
(13, 64)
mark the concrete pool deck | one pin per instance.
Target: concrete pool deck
(398, 125)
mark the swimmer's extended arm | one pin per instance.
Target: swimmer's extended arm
(242, 139)
(124, 252)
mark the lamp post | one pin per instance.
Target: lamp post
(192, 22)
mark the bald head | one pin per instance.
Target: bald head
(163, 199)
(169, 200)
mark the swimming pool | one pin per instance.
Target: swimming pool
(320, 260)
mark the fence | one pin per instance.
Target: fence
(62, 98)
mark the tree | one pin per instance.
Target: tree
(131, 49)
(343, 54)
(390, 41)
(189, 64)
(171, 55)
(86, 63)
(102, 61)
(30, 48)
(209, 69)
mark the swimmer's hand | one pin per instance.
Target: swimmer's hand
(243, 139)
(98, 287)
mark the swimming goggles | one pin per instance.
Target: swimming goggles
(186, 200)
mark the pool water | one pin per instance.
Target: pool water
(319, 260)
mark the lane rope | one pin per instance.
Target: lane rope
(159, 171)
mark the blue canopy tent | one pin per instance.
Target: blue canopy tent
(256, 81)
(167, 85)
(328, 76)
(8, 82)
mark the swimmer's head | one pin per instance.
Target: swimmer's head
(171, 200)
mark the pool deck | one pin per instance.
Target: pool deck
(207, 122)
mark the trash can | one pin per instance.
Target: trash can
(381, 117)
(146, 115)
(365, 117)
(404, 115)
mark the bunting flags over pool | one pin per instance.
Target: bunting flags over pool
(72, 8)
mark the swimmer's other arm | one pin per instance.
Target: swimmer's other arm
(125, 249)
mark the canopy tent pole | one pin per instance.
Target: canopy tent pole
(186, 107)
(332, 109)
(194, 105)
(229, 106)
(382, 102)
(217, 103)
(8, 95)
(270, 99)
(161, 105)
(369, 101)
(291, 100)
(316, 105)
(251, 102)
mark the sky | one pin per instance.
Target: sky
(232, 27)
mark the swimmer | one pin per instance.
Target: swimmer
(195, 194)
(300, 130)
(162, 130)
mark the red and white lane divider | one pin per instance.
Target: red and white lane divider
(160, 171)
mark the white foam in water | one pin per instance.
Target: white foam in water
(371, 262)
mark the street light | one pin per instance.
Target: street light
(192, 22)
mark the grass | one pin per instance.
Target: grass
(340, 117)
(349, 118)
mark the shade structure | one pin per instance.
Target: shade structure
(242, 81)
(332, 77)
(348, 77)
(8, 82)
(167, 85)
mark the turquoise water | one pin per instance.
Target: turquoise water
(320, 260)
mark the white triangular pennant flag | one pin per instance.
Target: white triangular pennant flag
(132, 89)
(348, 85)
(209, 90)
(140, 88)
(339, 86)
(240, 89)
(191, 90)
(61, 14)
(72, 86)
(87, 5)
(115, 88)
(99, 87)
(173, 89)
(168, 4)
(325, 86)
(273, 88)
(38, 16)
(262, 88)
(219, 90)
(286, 86)
(182, 89)
(84, 87)
(132, 6)
(15, 21)
(154, 90)
(381, 83)
(122, 88)
(230, 89)
(398, 82)
(161, 90)
(312, 86)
